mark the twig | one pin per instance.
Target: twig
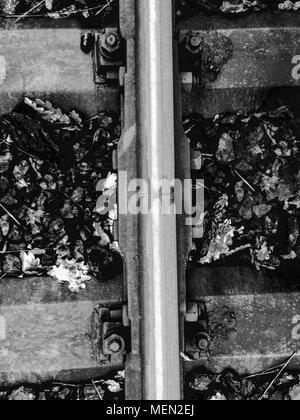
(47, 15)
(199, 184)
(264, 373)
(26, 153)
(267, 267)
(269, 371)
(240, 248)
(244, 180)
(29, 11)
(104, 7)
(97, 390)
(185, 357)
(18, 251)
(277, 376)
(3, 275)
(274, 368)
(10, 215)
(190, 128)
(67, 385)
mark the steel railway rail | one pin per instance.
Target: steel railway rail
(146, 318)
(155, 131)
(264, 48)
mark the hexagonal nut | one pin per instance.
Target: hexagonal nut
(114, 345)
(194, 43)
(110, 42)
(202, 341)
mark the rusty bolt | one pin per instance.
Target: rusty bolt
(110, 43)
(115, 344)
(194, 43)
(201, 341)
(111, 40)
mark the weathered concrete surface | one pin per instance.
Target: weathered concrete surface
(264, 48)
(267, 332)
(267, 326)
(44, 329)
(45, 60)
(208, 281)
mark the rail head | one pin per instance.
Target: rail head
(157, 239)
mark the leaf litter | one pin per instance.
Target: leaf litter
(252, 194)
(231, 8)
(60, 9)
(51, 164)
(276, 383)
(110, 388)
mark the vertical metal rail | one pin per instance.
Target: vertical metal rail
(129, 223)
(184, 231)
(157, 231)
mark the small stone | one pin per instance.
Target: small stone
(217, 397)
(261, 210)
(295, 393)
(65, 394)
(22, 394)
(196, 160)
(90, 394)
(225, 152)
(42, 396)
(248, 388)
(287, 378)
(201, 383)
(276, 396)
(239, 191)
(3, 395)
(245, 211)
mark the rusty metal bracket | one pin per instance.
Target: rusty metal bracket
(264, 56)
(108, 55)
(206, 330)
(197, 339)
(204, 56)
(253, 318)
(110, 334)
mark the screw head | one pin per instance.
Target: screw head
(201, 341)
(203, 344)
(110, 44)
(195, 41)
(111, 40)
(115, 344)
